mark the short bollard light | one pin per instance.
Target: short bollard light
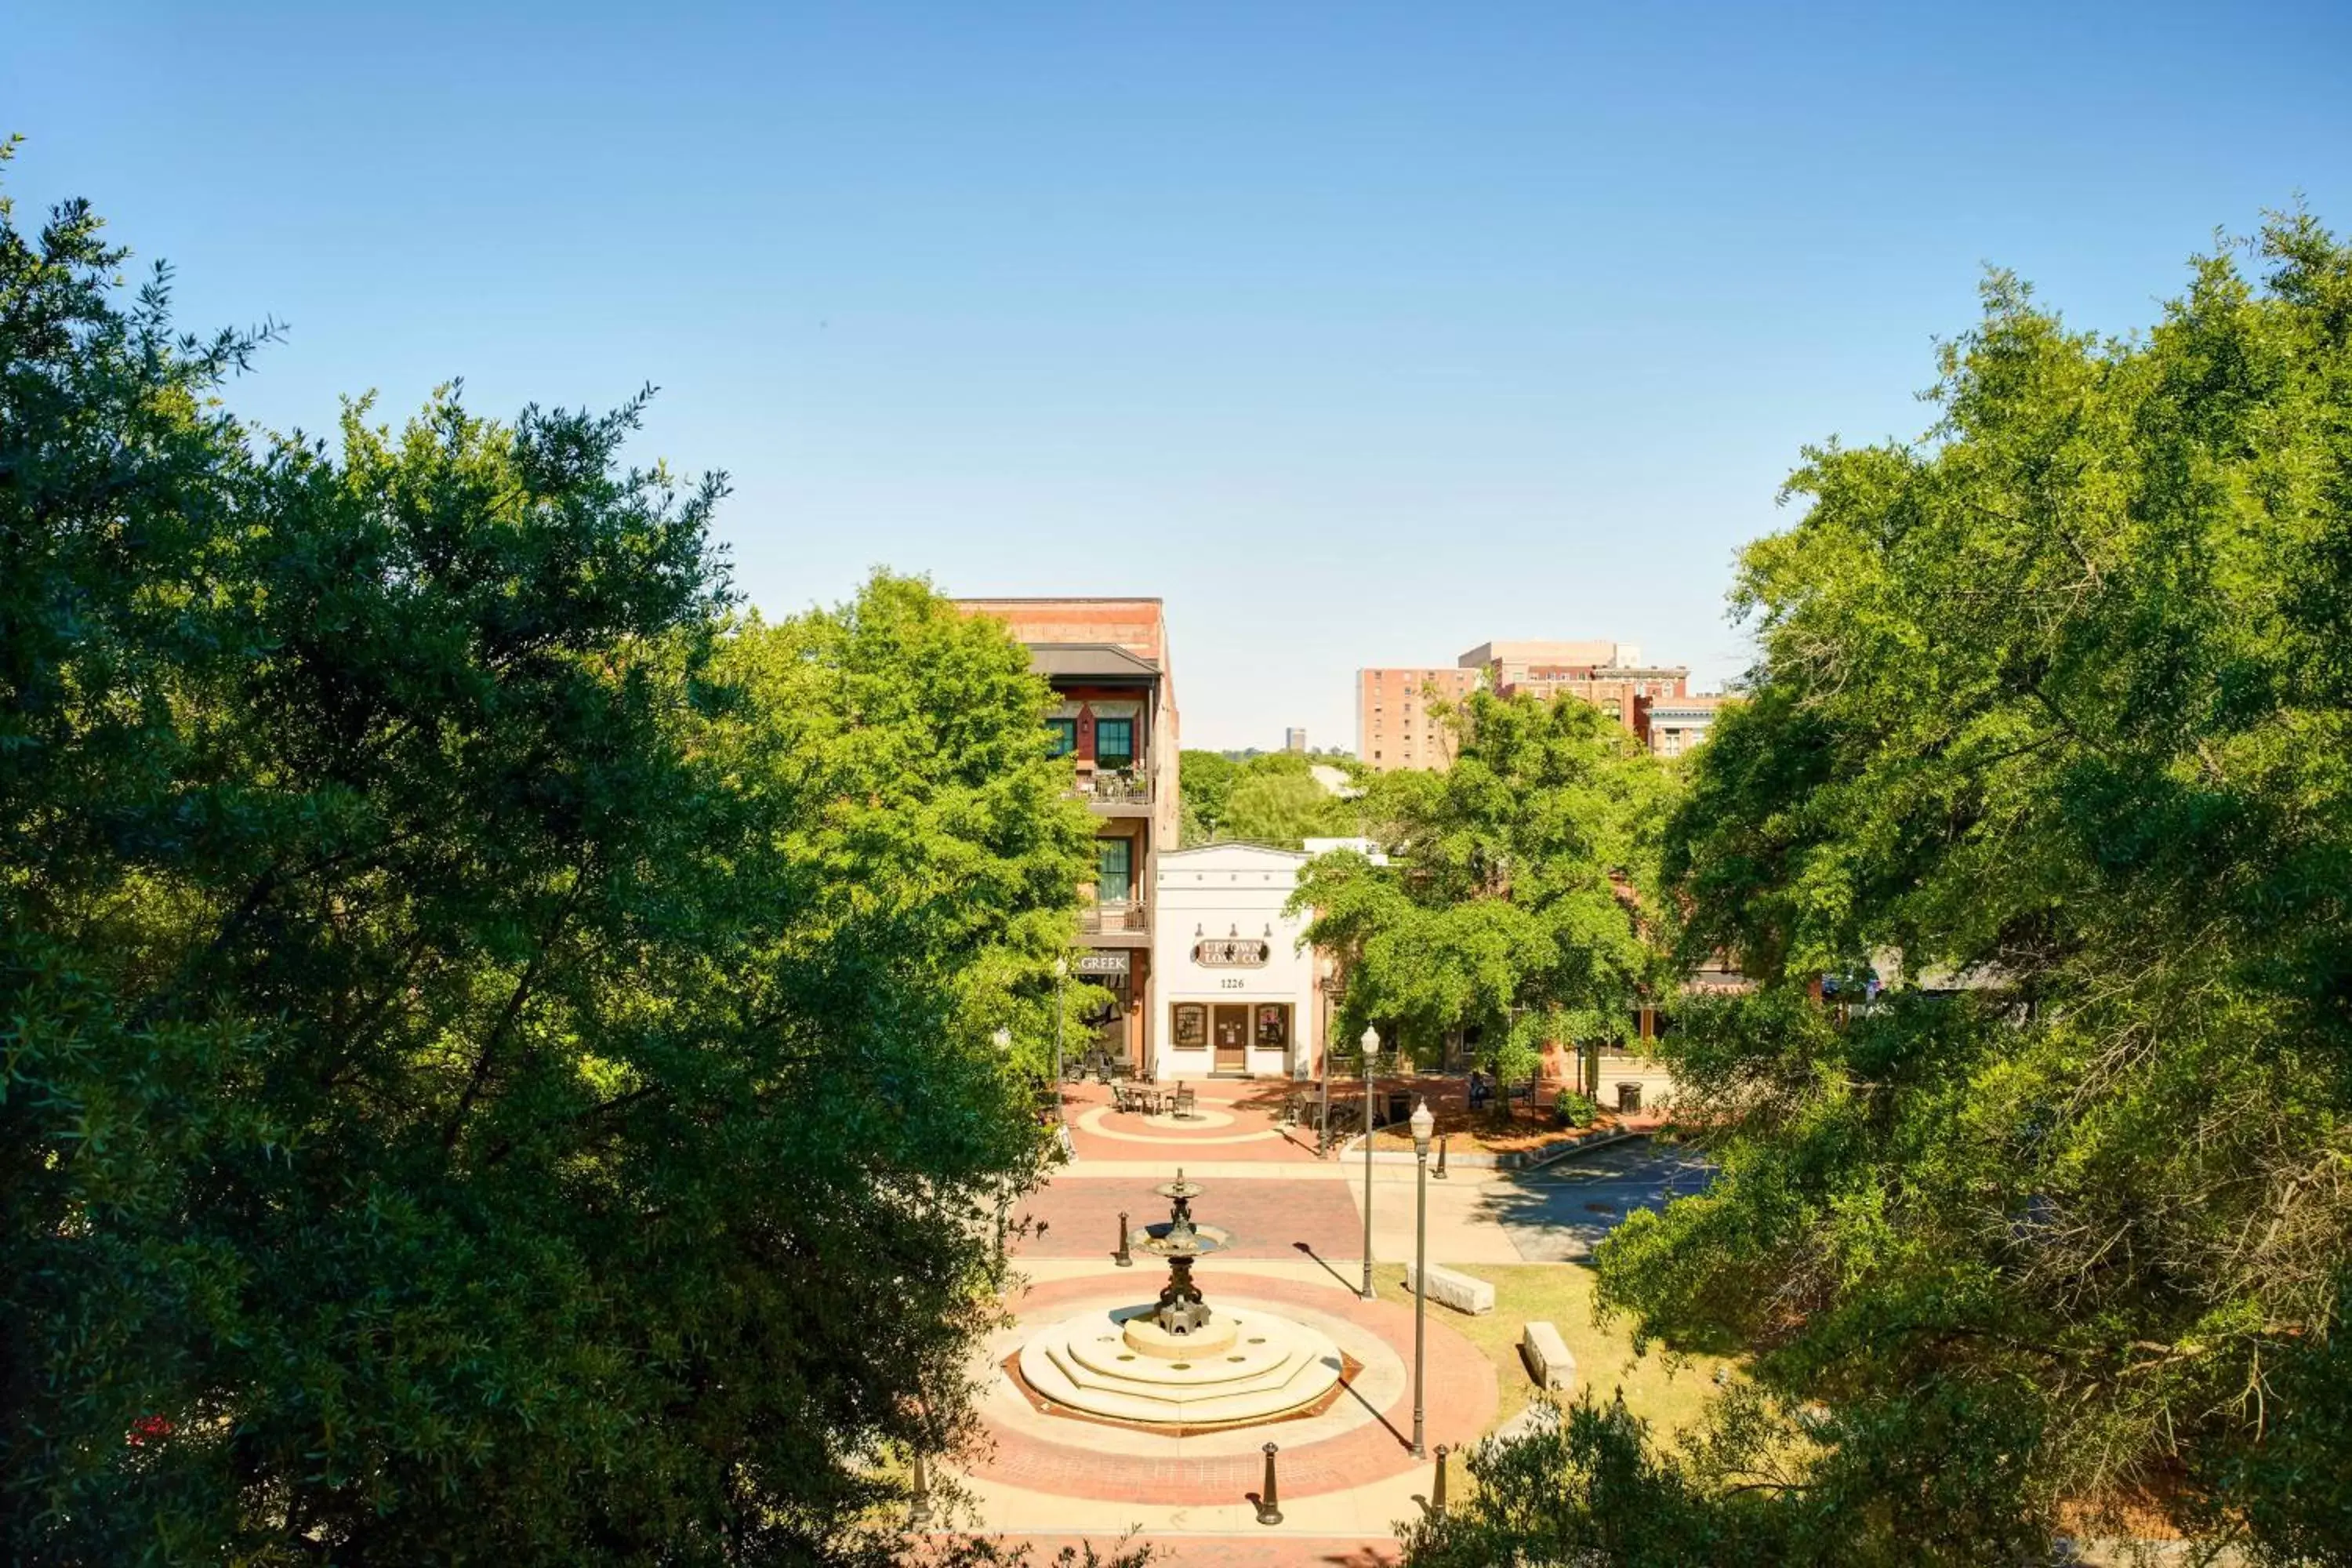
(1437, 1488)
(1123, 1257)
(920, 1514)
(1269, 1505)
(1441, 1143)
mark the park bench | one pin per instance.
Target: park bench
(1547, 1356)
(1459, 1292)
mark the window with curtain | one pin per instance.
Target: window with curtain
(1114, 742)
(1114, 871)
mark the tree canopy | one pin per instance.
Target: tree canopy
(2053, 728)
(1271, 798)
(497, 1053)
(1507, 906)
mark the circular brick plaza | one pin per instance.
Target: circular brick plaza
(1364, 1435)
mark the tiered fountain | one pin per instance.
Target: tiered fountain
(1177, 1362)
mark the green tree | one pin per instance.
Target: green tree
(495, 1060)
(1207, 780)
(1269, 797)
(1281, 808)
(1507, 908)
(2053, 725)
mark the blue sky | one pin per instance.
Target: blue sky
(1358, 333)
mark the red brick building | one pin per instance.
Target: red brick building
(1107, 662)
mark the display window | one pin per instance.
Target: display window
(1190, 1030)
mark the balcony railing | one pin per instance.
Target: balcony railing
(1096, 918)
(1116, 786)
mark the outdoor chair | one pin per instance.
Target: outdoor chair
(1185, 1100)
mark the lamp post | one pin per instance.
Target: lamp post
(1423, 1123)
(1371, 1044)
(1061, 974)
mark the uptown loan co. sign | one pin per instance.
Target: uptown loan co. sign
(1226, 952)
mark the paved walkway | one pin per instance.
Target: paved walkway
(1268, 1548)
(1232, 1122)
(1347, 1476)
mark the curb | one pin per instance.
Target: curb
(1517, 1160)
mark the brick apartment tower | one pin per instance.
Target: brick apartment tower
(1107, 662)
(1393, 728)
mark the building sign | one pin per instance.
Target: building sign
(1227, 953)
(1100, 963)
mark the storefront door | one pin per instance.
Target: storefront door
(1232, 1032)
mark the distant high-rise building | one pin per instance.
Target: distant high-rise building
(1608, 675)
(1393, 725)
(1294, 739)
(1652, 702)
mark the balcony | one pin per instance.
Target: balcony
(1117, 792)
(1122, 924)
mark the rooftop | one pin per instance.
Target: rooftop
(1097, 659)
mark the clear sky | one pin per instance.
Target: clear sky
(1358, 333)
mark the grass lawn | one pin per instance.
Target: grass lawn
(1667, 1394)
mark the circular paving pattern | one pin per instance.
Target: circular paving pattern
(1096, 1121)
(1203, 1117)
(1362, 1435)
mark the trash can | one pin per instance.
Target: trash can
(1629, 1096)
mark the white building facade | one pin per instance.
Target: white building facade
(1237, 990)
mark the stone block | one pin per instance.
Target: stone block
(1458, 1291)
(1547, 1356)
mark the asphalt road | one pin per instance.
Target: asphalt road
(1559, 1213)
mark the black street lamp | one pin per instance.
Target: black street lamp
(1371, 1044)
(1423, 1123)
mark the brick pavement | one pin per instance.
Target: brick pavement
(1242, 1124)
(1269, 1548)
(1462, 1399)
(1267, 1219)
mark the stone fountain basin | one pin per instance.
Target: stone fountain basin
(1151, 1239)
(1240, 1366)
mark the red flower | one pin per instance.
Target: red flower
(149, 1429)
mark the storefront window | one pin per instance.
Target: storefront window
(1274, 1024)
(1114, 742)
(1191, 1027)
